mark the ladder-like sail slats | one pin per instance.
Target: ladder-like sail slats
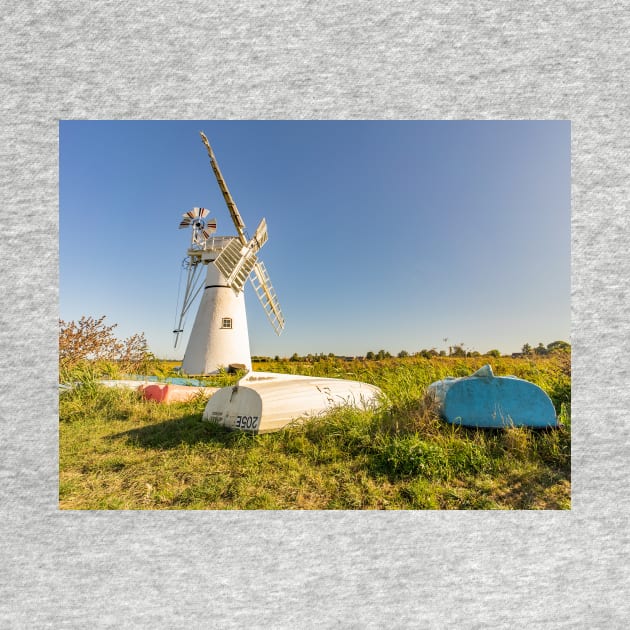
(260, 235)
(235, 264)
(234, 213)
(267, 296)
(238, 259)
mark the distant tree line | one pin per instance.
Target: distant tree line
(457, 350)
(541, 349)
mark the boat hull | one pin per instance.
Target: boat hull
(487, 401)
(264, 402)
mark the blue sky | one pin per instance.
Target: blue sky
(382, 234)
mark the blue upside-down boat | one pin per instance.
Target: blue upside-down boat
(489, 401)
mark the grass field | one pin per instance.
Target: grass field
(117, 451)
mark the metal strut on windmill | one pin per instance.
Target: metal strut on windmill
(219, 336)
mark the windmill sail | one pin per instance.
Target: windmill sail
(236, 262)
(234, 213)
(260, 235)
(267, 296)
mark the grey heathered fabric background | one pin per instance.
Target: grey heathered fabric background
(174, 60)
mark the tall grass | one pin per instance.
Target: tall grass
(119, 451)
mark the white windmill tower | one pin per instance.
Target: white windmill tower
(219, 336)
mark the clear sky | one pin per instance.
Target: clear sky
(382, 234)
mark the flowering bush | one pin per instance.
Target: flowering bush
(92, 341)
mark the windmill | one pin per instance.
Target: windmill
(219, 336)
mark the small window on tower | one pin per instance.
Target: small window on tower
(226, 322)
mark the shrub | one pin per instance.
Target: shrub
(91, 344)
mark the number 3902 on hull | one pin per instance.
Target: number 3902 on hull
(262, 402)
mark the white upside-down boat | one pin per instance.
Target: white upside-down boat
(262, 401)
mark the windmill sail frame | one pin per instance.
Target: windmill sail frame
(234, 213)
(267, 296)
(239, 263)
